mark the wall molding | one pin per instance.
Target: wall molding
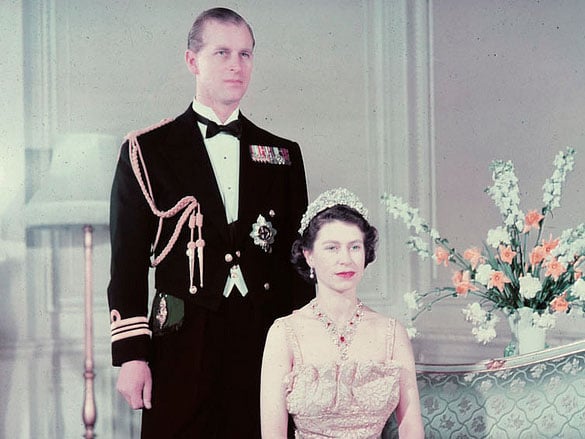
(399, 115)
(41, 61)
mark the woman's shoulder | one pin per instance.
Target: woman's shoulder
(377, 318)
(388, 325)
(302, 313)
(293, 318)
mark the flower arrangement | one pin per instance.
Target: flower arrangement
(518, 269)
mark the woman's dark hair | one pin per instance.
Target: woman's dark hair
(336, 213)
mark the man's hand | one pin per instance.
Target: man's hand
(135, 384)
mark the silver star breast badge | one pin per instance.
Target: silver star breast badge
(263, 234)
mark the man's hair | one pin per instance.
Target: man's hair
(222, 15)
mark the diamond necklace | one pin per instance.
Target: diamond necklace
(341, 338)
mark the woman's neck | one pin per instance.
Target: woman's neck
(338, 308)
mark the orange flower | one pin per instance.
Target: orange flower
(461, 281)
(554, 268)
(498, 279)
(473, 255)
(507, 254)
(537, 255)
(532, 220)
(559, 303)
(550, 245)
(442, 256)
(578, 274)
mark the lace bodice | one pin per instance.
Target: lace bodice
(341, 399)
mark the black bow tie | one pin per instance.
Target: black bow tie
(234, 127)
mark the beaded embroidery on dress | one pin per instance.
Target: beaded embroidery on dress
(343, 399)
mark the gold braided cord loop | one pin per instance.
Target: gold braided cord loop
(187, 204)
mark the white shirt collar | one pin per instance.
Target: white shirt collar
(208, 113)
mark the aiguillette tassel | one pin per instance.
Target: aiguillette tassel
(200, 243)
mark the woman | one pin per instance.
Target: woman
(338, 367)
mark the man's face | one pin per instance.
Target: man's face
(223, 66)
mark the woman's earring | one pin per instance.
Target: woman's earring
(312, 273)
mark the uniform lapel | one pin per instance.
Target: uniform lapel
(189, 160)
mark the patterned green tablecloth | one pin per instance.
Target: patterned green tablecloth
(540, 395)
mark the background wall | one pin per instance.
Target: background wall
(408, 96)
(509, 84)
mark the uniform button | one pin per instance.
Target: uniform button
(228, 257)
(266, 286)
(272, 213)
(238, 253)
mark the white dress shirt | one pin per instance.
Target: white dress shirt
(224, 153)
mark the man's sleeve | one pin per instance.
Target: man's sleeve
(132, 228)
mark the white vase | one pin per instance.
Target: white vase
(526, 338)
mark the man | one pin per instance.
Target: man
(194, 366)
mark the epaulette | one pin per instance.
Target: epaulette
(135, 134)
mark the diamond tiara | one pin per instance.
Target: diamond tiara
(330, 198)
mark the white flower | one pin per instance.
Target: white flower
(571, 245)
(410, 216)
(411, 300)
(506, 194)
(546, 320)
(416, 243)
(411, 332)
(525, 313)
(484, 333)
(564, 162)
(578, 289)
(529, 286)
(434, 234)
(525, 286)
(474, 313)
(498, 236)
(483, 273)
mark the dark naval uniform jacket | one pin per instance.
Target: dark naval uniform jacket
(272, 185)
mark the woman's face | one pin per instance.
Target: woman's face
(338, 256)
